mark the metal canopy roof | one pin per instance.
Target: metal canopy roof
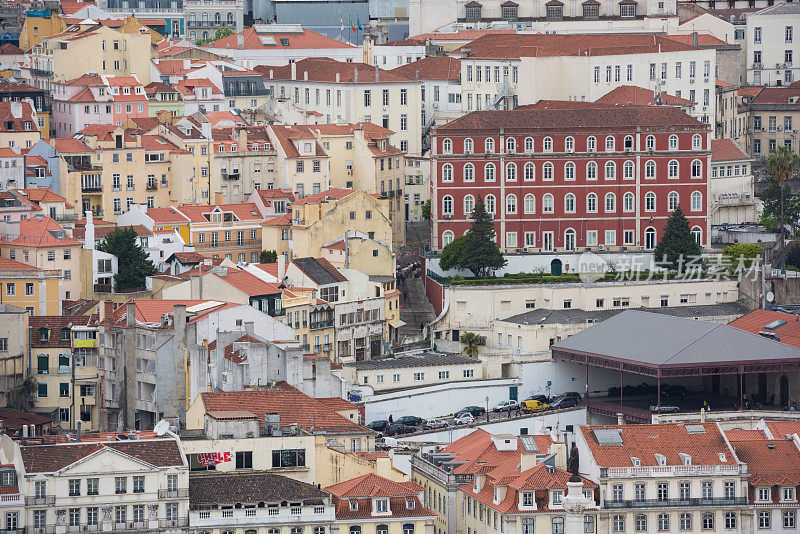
(661, 345)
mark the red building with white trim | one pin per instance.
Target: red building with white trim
(564, 176)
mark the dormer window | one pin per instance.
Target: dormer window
(411, 504)
(787, 493)
(381, 506)
(636, 461)
(65, 334)
(126, 90)
(661, 459)
(353, 506)
(722, 457)
(527, 498)
(762, 494)
(307, 148)
(557, 496)
(686, 458)
(44, 335)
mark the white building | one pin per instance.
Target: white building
(12, 169)
(733, 197)
(769, 49)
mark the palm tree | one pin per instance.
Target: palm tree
(781, 166)
(471, 343)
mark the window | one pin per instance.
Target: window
(547, 203)
(511, 172)
(628, 202)
(528, 145)
(511, 145)
(684, 492)
(469, 205)
(468, 146)
(569, 171)
(511, 204)
(638, 491)
(764, 519)
(672, 169)
(244, 459)
(447, 172)
(697, 169)
(447, 237)
(489, 146)
(618, 523)
(447, 146)
(489, 172)
(530, 203)
(640, 523)
(527, 522)
(490, 204)
(627, 170)
(92, 486)
(610, 144)
(74, 487)
(530, 172)
(686, 521)
(289, 458)
(789, 519)
(447, 205)
(591, 171)
(469, 172)
(663, 522)
(121, 485)
(672, 201)
(547, 171)
(138, 484)
(558, 525)
(611, 170)
(611, 203)
(569, 203)
(547, 144)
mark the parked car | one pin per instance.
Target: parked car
(572, 394)
(506, 406)
(398, 429)
(435, 423)
(379, 425)
(474, 411)
(411, 420)
(664, 409)
(463, 418)
(534, 406)
(674, 390)
(564, 402)
(541, 398)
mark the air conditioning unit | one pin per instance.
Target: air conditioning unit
(448, 215)
(691, 80)
(601, 247)
(628, 150)
(524, 249)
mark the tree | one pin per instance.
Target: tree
(426, 210)
(741, 256)
(268, 256)
(677, 246)
(471, 342)
(476, 251)
(133, 263)
(781, 166)
(219, 34)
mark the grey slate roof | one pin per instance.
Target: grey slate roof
(578, 316)
(662, 340)
(319, 270)
(780, 9)
(429, 360)
(216, 489)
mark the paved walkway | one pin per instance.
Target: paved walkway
(416, 309)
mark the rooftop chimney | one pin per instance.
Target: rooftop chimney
(16, 110)
(24, 431)
(249, 328)
(694, 38)
(620, 419)
(88, 236)
(355, 73)
(179, 320)
(305, 75)
(281, 267)
(240, 40)
(293, 66)
(130, 314)
(338, 77)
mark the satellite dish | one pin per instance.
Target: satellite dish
(770, 296)
(161, 428)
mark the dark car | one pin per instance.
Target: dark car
(572, 395)
(674, 390)
(398, 429)
(410, 420)
(541, 398)
(379, 425)
(564, 402)
(474, 411)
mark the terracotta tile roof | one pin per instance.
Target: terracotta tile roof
(274, 41)
(372, 485)
(269, 194)
(237, 355)
(213, 490)
(748, 90)
(230, 414)
(215, 117)
(631, 94)
(55, 324)
(704, 40)
(248, 283)
(78, 307)
(597, 116)
(548, 45)
(757, 320)
(16, 123)
(246, 211)
(69, 145)
(744, 435)
(726, 150)
(431, 68)
(50, 458)
(150, 312)
(461, 35)
(187, 258)
(645, 441)
(286, 134)
(101, 131)
(11, 265)
(770, 462)
(723, 84)
(87, 80)
(293, 406)
(41, 232)
(372, 456)
(337, 403)
(322, 69)
(158, 87)
(777, 95)
(335, 193)
(13, 87)
(269, 268)
(42, 194)
(14, 419)
(102, 231)
(780, 429)
(166, 215)
(280, 220)
(9, 48)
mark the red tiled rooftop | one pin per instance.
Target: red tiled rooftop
(726, 150)
(253, 41)
(780, 429)
(757, 320)
(431, 68)
(323, 69)
(770, 462)
(631, 94)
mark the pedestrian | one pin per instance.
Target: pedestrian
(390, 419)
(421, 327)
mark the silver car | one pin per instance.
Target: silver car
(463, 418)
(435, 423)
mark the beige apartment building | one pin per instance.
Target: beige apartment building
(773, 120)
(733, 198)
(244, 161)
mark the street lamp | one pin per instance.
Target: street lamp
(487, 408)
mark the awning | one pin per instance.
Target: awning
(397, 324)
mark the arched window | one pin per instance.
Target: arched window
(650, 201)
(408, 528)
(511, 204)
(447, 172)
(569, 144)
(511, 145)
(355, 530)
(469, 172)
(529, 145)
(447, 237)
(569, 171)
(627, 202)
(650, 142)
(547, 203)
(672, 201)
(511, 172)
(697, 233)
(530, 172)
(205, 17)
(569, 203)
(697, 201)
(650, 169)
(382, 529)
(469, 146)
(447, 146)
(610, 143)
(673, 169)
(569, 239)
(489, 172)
(547, 171)
(611, 203)
(530, 203)
(489, 204)
(547, 145)
(611, 170)
(205, 32)
(447, 205)
(591, 171)
(628, 143)
(489, 146)
(469, 205)
(697, 142)
(527, 526)
(591, 203)
(650, 238)
(192, 35)
(217, 18)
(697, 169)
(627, 170)
(591, 144)
(673, 142)
(230, 18)
(192, 18)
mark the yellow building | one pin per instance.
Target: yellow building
(64, 365)
(18, 124)
(90, 47)
(312, 320)
(35, 28)
(30, 288)
(371, 504)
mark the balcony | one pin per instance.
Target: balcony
(174, 523)
(210, 24)
(102, 288)
(151, 187)
(84, 343)
(672, 471)
(305, 347)
(41, 73)
(50, 529)
(173, 494)
(676, 503)
(11, 499)
(44, 500)
(231, 176)
(245, 243)
(92, 188)
(321, 324)
(327, 347)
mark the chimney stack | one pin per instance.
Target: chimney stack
(620, 419)
(694, 38)
(88, 236)
(24, 431)
(249, 328)
(130, 314)
(281, 267)
(293, 66)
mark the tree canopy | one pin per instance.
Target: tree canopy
(134, 265)
(476, 251)
(677, 245)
